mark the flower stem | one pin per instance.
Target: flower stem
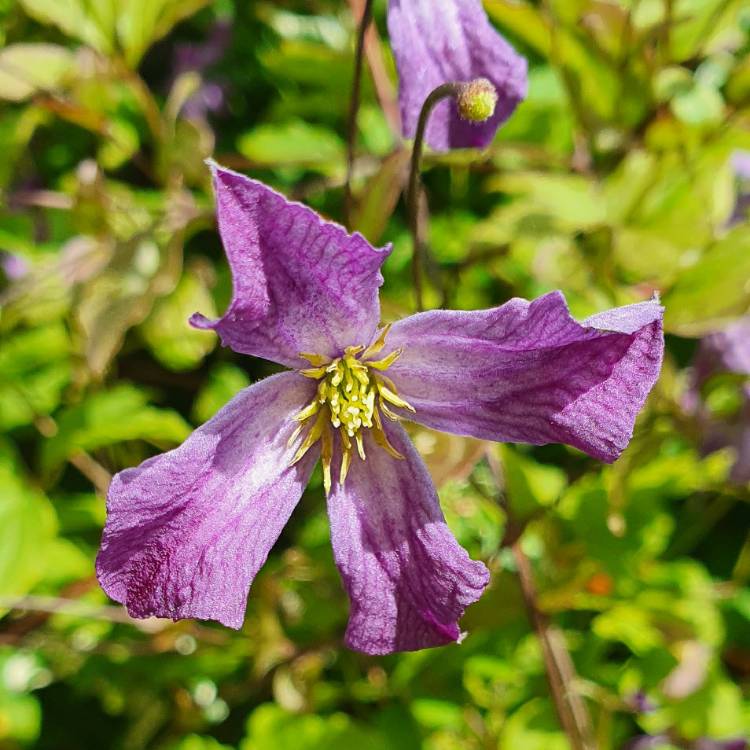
(418, 260)
(351, 135)
(559, 668)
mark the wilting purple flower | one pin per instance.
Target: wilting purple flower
(187, 531)
(436, 41)
(725, 351)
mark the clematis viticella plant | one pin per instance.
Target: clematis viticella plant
(437, 41)
(188, 530)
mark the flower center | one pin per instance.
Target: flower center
(352, 393)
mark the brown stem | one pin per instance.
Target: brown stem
(92, 470)
(418, 260)
(351, 134)
(571, 711)
(559, 668)
(384, 88)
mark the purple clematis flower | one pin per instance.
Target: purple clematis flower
(437, 41)
(188, 530)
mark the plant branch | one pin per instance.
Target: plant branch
(559, 668)
(351, 134)
(418, 260)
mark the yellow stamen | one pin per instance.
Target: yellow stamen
(382, 440)
(378, 344)
(312, 437)
(326, 456)
(316, 359)
(314, 372)
(393, 398)
(307, 412)
(351, 394)
(388, 413)
(386, 362)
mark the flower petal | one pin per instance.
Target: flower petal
(528, 372)
(408, 579)
(188, 530)
(301, 284)
(436, 41)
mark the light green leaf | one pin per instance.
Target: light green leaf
(167, 332)
(533, 727)
(271, 728)
(294, 143)
(26, 69)
(27, 528)
(712, 291)
(225, 381)
(108, 418)
(34, 370)
(569, 202)
(107, 25)
(530, 485)
(76, 19)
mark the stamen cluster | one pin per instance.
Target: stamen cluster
(352, 393)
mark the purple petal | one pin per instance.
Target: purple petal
(408, 579)
(188, 530)
(301, 284)
(528, 372)
(436, 41)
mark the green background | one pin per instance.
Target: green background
(613, 179)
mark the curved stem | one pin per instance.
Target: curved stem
(412, 195)
(351, 134)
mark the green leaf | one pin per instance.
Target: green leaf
(530, 485)
(142, 22)
(106, 25)
(295, 143)
(34, 370)
(533, 727)
(225, 381)
(569, 202)
(20, 717)
(167, 332)
(380, 195)
(26, 69)
(271, 728)
(27, 529)
(713, 290)
(108, 418)
(78, 19)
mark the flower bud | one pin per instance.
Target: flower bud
(476, 100)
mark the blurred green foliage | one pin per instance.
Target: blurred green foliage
(613, 180)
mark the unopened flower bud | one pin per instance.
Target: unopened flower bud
(476, 100)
